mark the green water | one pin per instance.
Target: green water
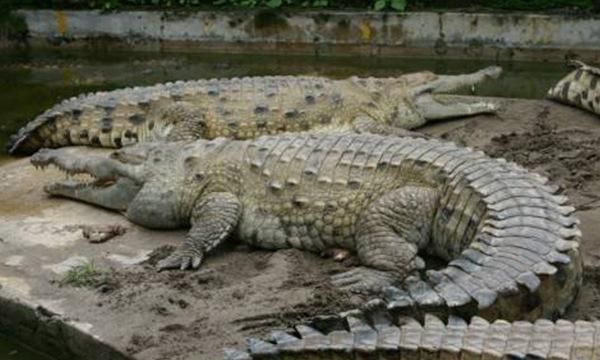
(10, 350)
(30, 82)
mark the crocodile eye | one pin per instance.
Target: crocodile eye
(199, 177)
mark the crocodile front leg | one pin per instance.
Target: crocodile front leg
(214, 217)
(182, 121)
(389, 234)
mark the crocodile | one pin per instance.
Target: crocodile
(244, 108)
(580, 88)
(510, 239)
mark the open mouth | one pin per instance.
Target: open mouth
(77, 174)
(97, 180)
(77, 178)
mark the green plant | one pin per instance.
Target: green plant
(84, 275)
(398, 5)
(13, 26)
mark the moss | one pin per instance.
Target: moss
(13, 27)
(270, 19)
(322, 18)
(508, 4)
(344, 24)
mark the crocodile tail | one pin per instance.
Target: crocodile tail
(580, 88)
(86, 120)
(512, 246)
(105, 119)
(375, 334)
(510, 239)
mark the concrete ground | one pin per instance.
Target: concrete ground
(128, 310)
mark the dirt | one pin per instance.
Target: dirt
(195, 310)
(570, 157)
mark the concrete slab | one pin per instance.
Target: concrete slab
(136, 312)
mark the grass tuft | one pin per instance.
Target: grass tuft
(85, 275)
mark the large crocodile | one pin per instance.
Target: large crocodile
(580, 88)
(248, 107)
(510, 240)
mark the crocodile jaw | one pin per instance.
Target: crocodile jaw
(99, 181)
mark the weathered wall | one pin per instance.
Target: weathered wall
(530, 36)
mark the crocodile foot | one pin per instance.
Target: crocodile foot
(183, 258)
(363, 280)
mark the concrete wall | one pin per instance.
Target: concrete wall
(522, 36)
(41, 329)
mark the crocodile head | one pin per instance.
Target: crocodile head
(144, 181)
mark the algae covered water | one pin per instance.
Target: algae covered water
(12, 351)
(31, 82)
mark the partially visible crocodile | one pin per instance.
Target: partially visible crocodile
(510, 240)
(248, 107)
(379, 334)
(580, 88)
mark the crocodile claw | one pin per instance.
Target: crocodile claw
(363, 280)
(182, 259)
(336, 254)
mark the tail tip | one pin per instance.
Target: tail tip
(17, 145)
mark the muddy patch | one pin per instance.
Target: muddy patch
(239, 292)
(570, 157)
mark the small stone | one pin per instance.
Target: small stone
(237, 294)
(15, 260)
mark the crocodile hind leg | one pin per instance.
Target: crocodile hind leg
(389, 234)
(435, 110)
(213, 218)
